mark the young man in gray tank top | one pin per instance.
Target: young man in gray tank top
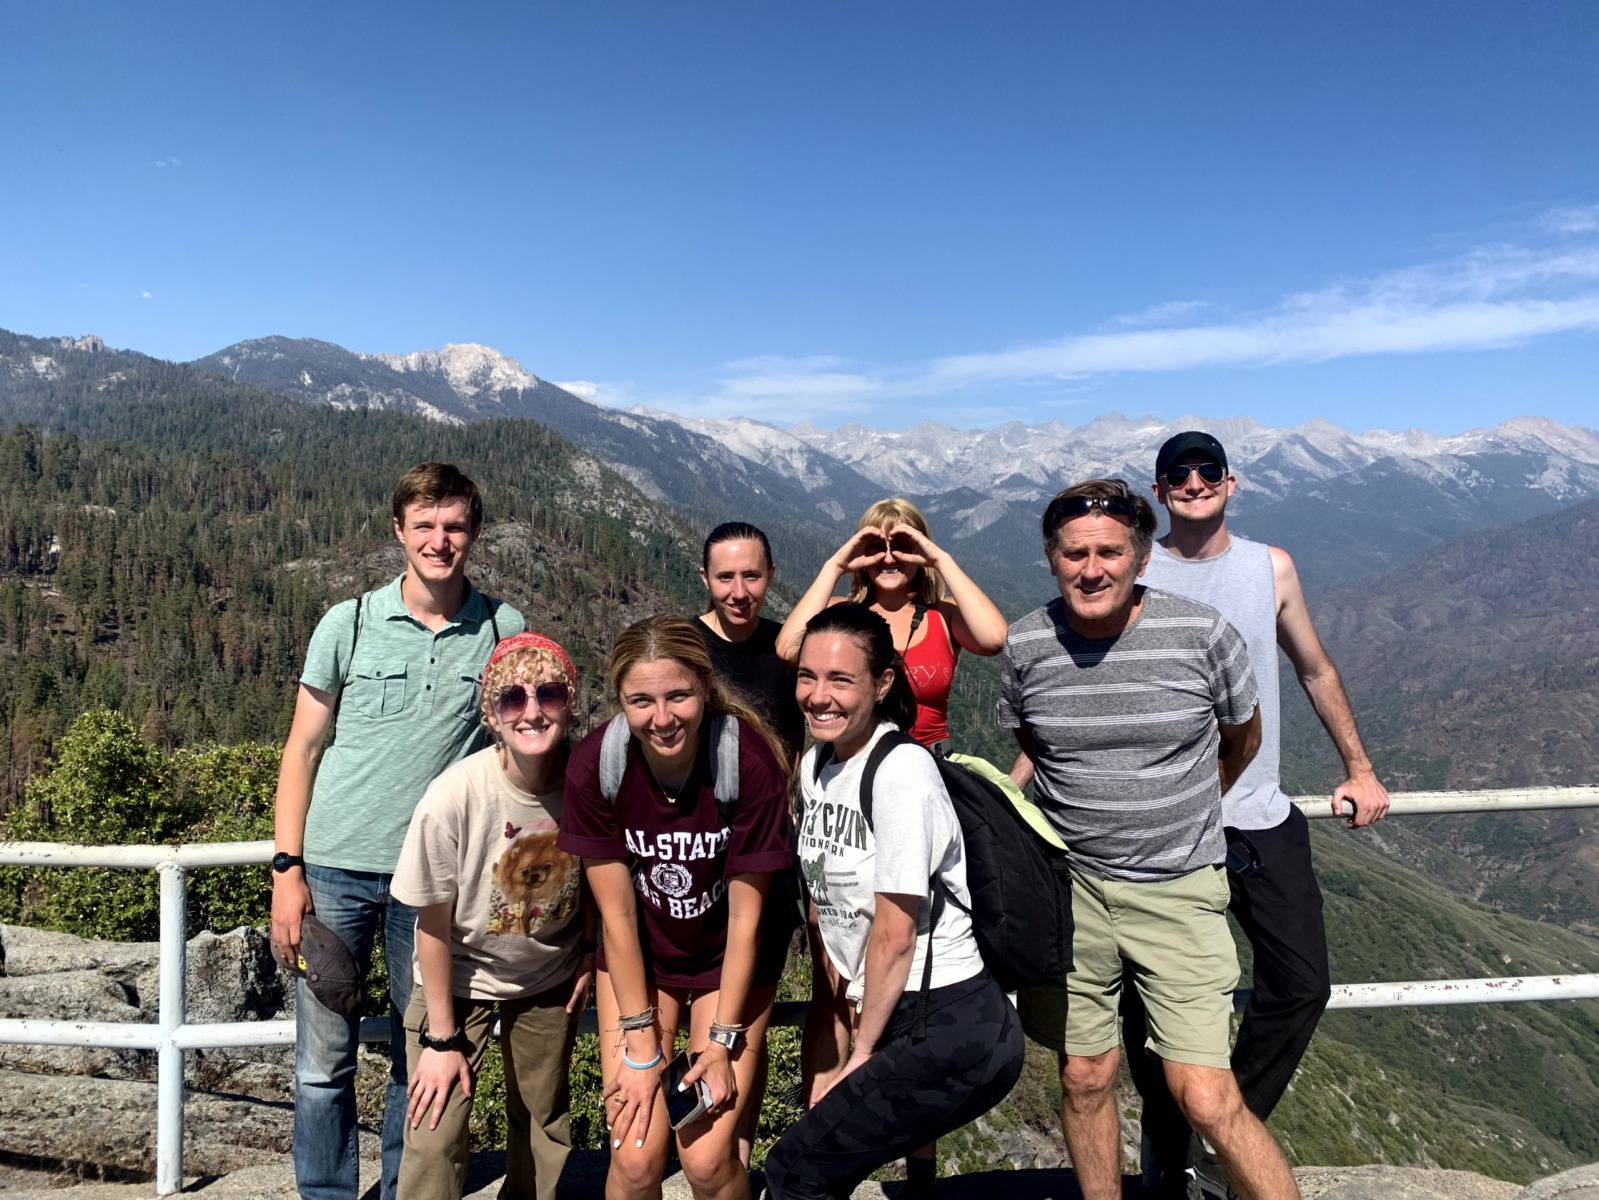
(1275, 898)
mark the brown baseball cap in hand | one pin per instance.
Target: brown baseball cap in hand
(327, 965)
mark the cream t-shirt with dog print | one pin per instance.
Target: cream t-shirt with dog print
(488, 848)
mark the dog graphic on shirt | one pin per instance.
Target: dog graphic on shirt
(535, 882)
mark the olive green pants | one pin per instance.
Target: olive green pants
(536, 1039)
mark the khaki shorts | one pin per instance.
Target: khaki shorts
(1172, 937)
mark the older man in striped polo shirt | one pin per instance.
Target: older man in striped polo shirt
(1135, 710)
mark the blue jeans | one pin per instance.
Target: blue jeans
(325, 1164)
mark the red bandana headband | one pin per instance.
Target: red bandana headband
(530, 641)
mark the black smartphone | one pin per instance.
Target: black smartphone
(685, 1107)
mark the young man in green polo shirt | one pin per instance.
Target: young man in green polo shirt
(399, 667)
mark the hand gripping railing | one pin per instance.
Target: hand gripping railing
(171, 1036)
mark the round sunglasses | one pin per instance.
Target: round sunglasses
(1211, 472)
(512, 701)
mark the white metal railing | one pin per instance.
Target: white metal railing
(171, 1035)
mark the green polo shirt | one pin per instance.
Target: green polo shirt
(410, 709)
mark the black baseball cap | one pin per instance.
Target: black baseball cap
(328, 967)
(1180, 444)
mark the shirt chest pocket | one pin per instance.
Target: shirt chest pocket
(465, 691)
(377, 690)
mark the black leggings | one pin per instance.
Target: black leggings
(907, 1094)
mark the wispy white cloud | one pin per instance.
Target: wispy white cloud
(1581, 219)
(1163, 314)
(144, 295)
(585, 388)
(612, 395)
(171, 160)
(1488, 298)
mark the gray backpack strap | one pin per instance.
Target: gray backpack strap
(613, 757)
(724, 765)
(724, 761)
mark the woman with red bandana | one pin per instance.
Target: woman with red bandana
(502, 923)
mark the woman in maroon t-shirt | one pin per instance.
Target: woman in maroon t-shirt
(680, 894)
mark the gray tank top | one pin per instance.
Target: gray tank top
(1238, 583)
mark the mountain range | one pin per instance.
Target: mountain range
(1346, 504)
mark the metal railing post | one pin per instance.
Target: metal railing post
(173, 1012)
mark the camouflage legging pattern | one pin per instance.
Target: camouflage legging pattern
(909, 1092)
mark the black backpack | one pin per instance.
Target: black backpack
(1020, 885)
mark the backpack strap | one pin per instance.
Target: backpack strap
(724, 761)
(724, 765)
(494, 625)
(613, 757)
(355, 637)
(887, 744)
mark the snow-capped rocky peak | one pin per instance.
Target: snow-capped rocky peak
(469, 369)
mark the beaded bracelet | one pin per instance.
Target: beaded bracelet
(660, 1054)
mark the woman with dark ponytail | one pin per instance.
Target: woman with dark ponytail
(936, 1044)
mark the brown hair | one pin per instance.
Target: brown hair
(1143, 515)
(872, 634)
(928, 588)
(674, 638)
(433, 483)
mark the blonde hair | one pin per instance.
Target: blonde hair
(928, 587)
(529, 666)
(674, 639)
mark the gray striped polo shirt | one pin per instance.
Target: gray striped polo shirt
(1125, 732)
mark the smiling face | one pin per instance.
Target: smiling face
(1096, 565)
(528, 730)
(894, 574)
(737, 577)
(437, 539)
(837, 691)
(1195, 501)
(664, 706)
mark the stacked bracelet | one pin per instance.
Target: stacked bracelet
(640, 1020)
(660, 1054)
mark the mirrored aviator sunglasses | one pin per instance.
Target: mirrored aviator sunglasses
(1211, 472)
(512, 701)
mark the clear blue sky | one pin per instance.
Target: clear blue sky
(1384, 214)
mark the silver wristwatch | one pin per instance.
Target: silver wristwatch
(731, 1038)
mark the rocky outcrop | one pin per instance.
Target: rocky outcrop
(55, 976)
(93, 1109)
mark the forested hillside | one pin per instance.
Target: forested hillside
(168, 550)
(1476, 665)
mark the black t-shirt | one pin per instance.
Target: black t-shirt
(765, 680)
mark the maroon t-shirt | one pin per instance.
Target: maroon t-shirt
(680, 854)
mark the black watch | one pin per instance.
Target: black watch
(282, 862)
(456, 1041)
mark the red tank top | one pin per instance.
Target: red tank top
(930, 664)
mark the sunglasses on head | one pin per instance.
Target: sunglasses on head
(1211, 472)
(1081, 506)
(512, 701)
